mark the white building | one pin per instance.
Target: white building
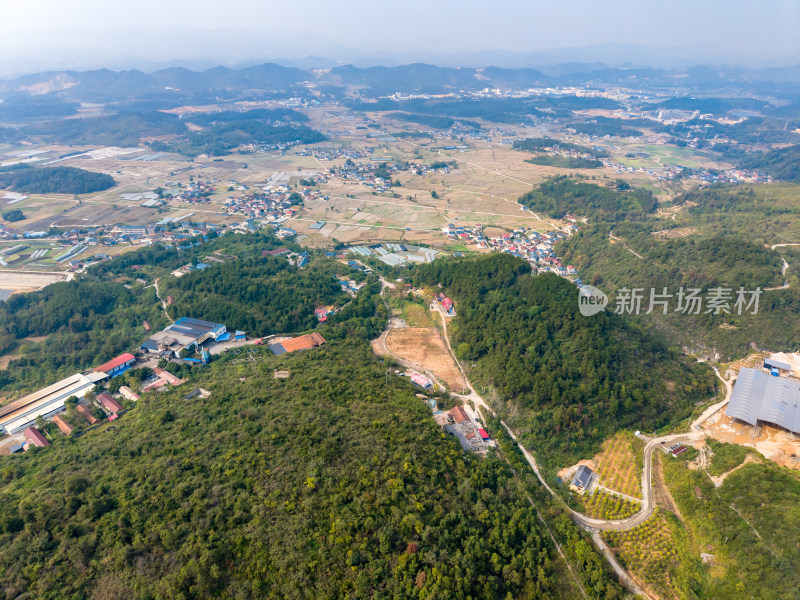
(48, 401)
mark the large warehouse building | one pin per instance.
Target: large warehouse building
(48, 401)
(181, 334)
(758, 396)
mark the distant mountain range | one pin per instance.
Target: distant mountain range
(183, 84)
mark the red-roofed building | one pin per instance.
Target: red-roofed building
(420, 380)
(276, 252)
(65, 427)
(165, 375)
(459, 414)
(116, 365)
(154, 385)
(35, 437)
(86, 414)
(109, 403)
(128, 393)
(483, 434)
(304, 342)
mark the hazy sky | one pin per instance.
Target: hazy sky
(747, 29)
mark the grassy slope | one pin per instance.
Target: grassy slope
(767, 498)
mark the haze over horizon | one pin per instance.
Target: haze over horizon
(37, 35)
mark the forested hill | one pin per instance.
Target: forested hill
(783, 163)
(566, 380)
(53, 180)
(721, 238)
(562, 196)
(333, 483)
(545, 143)
(102, 313)
(259, 295)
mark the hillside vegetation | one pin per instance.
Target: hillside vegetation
(328, 485)
(725, 244)
(782, 164)
(123, 129)
(545, 143)
(565, 380)
(54, 180)
(259, 295)
(748, 525)
(332, 483)
(562, 196)
(220, 138)
(96, 317)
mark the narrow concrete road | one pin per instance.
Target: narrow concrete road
(624, 576)
(618, 568)
(711, 410)
(163, 302)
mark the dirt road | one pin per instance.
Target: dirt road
(163, 302)
(597, 524)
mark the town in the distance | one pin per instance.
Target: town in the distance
(324, 330)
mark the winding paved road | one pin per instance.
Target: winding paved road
(624, 576)
(595, 526)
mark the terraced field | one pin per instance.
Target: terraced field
(652, 554)
(618, 466)
(602, 505)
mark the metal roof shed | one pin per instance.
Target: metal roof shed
(747, 394)
(775, 364)
(779, 404)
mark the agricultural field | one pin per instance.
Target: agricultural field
(416, 315)
(602, 505)
(423, 346)
(619, 464)
(662, 155)
(481, 190)
(653, 554)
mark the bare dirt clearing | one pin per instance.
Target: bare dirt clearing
(26, 282)
(423, 346)
(778, 445)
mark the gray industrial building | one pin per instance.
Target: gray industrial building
(758, 396)
(45, 403)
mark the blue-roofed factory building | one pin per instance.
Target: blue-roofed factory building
(183, 333)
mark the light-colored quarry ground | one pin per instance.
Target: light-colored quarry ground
(27, 282)
(774, 443)
(423, 346)
(778, 445)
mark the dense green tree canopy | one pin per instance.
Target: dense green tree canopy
(54, 180)
(561, 196)
(567, 380)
